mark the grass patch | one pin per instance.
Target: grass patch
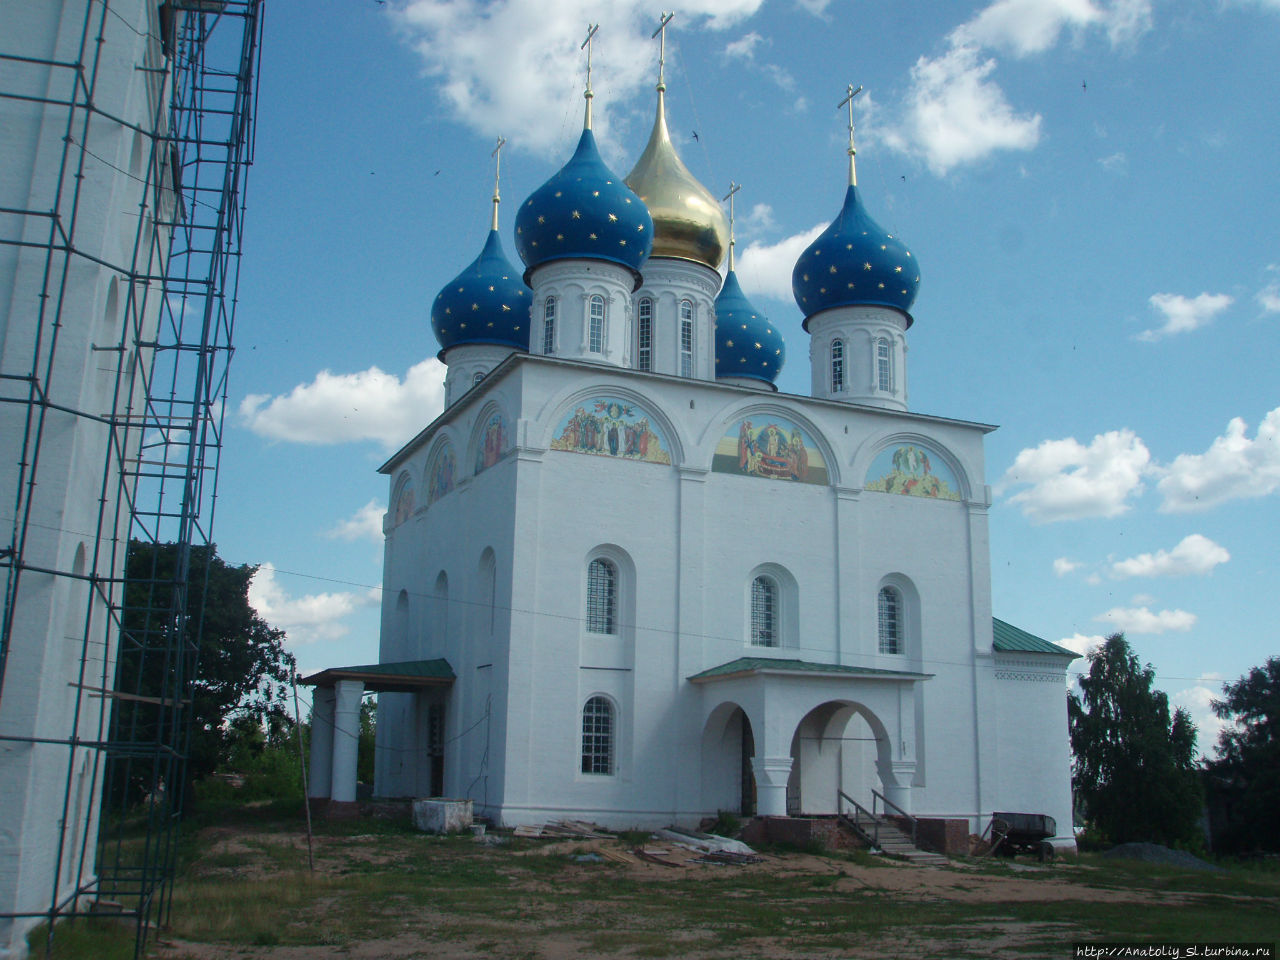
(250, 890)
(99, 939)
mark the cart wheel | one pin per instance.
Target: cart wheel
(1046, 851)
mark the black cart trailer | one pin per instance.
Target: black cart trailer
(1014, 833)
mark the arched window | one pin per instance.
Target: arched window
(889, 616)
(549, 326)
(686, 338)
(884, 366)
(440, 611)
(597, 736)
(595, 333)
(644, 334)
(837, 366)
(477, 378)
(602, 597)
(764, 612)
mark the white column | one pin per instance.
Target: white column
(897, 783)
(320, 781)
(772, 774)
(346, 739)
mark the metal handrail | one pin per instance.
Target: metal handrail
(857, 822)
(876, 794)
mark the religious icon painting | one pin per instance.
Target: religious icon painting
(443, 469)
(770, 447)
(911, 470)
(493, 444)
(404, 503)
(609, 427)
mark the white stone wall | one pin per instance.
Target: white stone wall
(55, 614)
(687, 541)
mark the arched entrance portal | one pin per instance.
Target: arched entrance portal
(728, 748)
(838, 746)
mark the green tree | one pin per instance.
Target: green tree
(235, 666)
(1133, 765)
(1245, 779)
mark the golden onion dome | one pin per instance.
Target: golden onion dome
(688, 223)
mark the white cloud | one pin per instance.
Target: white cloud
(1184, 314)
(765, 269)
(1062, 566)
(347, 407)
(1081, 644)
(1067, 480)
(1142, 599)
(1234, 467)
(1194, 555)
(744, 48)
(514, 67)
(1025, 27)
(955, 114)
(305, 619)
(1116, 163)
(364, 524)
(1269, 296)
(1142, 620)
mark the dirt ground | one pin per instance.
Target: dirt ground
(236, 854)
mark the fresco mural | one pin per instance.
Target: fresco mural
(771, 447)
(609, 427)
(493, 445)
(912, 471)
(443, 469)
(404, 505)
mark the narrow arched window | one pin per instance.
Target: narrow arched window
(837, 366)
(764, 612)
(477, 378)
(602, 597)
(884, 365)
(595, 335)
(644, 334)
(889, 615)
(549, 326)
(597, 736)
(686, 338)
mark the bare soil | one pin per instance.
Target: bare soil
(549, 910)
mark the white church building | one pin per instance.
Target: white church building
(627, 580)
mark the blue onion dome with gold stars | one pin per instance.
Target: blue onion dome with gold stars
(584, 212)
(486, 303)
(855, 262)
(747, 344)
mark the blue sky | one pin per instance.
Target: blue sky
(1089, 186)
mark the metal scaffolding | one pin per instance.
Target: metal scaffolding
(150, 437)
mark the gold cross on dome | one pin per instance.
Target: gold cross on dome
(587, 94)
(733, 188)
(853, 173)
(663, 19)
(497, 171)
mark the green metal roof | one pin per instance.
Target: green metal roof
(745, 665)
(388, 677)
(1009, 639)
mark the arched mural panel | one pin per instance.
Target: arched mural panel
(610, 427)
(493, 441)
(770, 447)
(913, 470)
(441, 476)
(404, 500)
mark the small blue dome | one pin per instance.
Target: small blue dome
(584, 212)
(486, 303)
(855, 263)
(747, 344)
